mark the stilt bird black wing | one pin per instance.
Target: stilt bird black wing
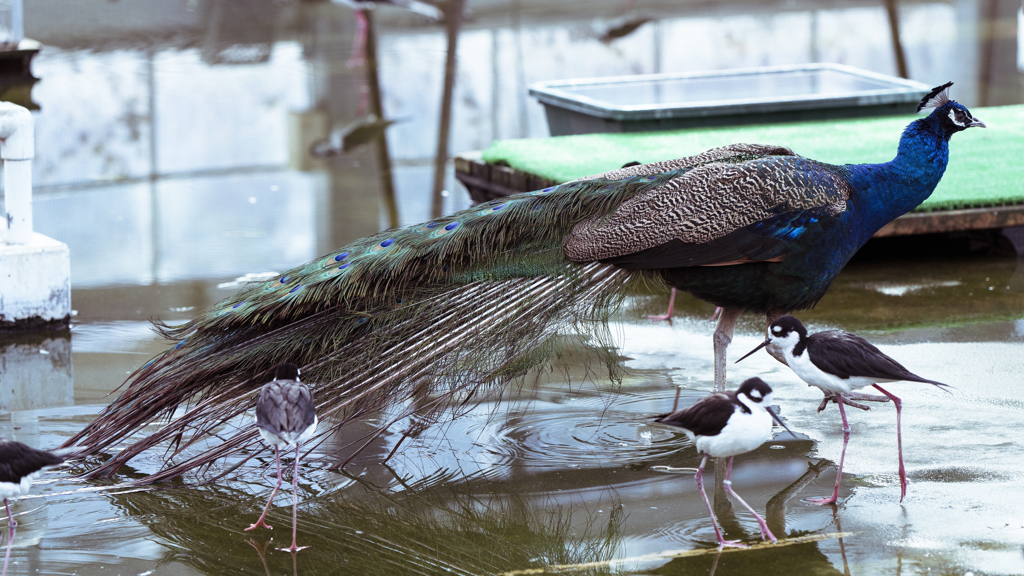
(845, 355)
(703, 418)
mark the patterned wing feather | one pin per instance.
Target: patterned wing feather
(709, 202)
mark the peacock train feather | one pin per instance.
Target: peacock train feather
(404, 320)
(439, 310)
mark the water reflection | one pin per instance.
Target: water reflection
(434, 531)
(36, 372)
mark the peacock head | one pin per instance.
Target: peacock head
(950, 115)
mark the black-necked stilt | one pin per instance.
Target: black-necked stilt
(19, 464)
(840, 362)
(285, 416)
(726, 424)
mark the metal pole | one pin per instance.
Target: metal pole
(897, 46)
(387, 184)
(453, 21)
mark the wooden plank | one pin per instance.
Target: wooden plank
(486, 182)
(954, 221)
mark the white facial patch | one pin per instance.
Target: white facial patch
(952, 116)
(777, 329)
(755, 394)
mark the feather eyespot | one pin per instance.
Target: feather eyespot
(387, 243)
(451, 226)
(343, 266)
(548, 189)
(341, 257)
(432, 225)
(294, 289)
(237, 305)
(284, 279)
(498, 207)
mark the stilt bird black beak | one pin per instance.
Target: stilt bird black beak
(759, 346)
(777, 419)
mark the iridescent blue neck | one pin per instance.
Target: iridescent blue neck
(886, 191)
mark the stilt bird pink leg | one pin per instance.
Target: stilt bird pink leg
(671, 305)
(766, 534)
(722, 542)
(295, 507)
(260, 522)
(839, 474)
(899, 440)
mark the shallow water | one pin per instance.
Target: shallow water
(572, 471)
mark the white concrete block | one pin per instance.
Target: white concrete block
(35, 283)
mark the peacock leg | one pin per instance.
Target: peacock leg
(722, 338)
(899, 440)
(766, 534)
(839, 473)
(700, 485)
(671, 305)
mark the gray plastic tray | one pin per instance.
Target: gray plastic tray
(728, 97)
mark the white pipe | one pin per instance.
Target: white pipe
(17, 144)
(17, 21)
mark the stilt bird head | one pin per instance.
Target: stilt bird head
(787, 333)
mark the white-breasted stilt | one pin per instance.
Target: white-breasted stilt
(840, 362)
(285, 416)
(725, 424)
(19, 464)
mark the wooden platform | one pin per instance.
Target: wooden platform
(983, 187)
(486, 182)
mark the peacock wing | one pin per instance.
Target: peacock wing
(728, 153)
(718, 213)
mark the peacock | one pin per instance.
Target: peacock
(424, 320)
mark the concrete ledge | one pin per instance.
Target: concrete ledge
(35, 284)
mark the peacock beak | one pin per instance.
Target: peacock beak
(977, 123)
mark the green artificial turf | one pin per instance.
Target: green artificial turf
(986, 166)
